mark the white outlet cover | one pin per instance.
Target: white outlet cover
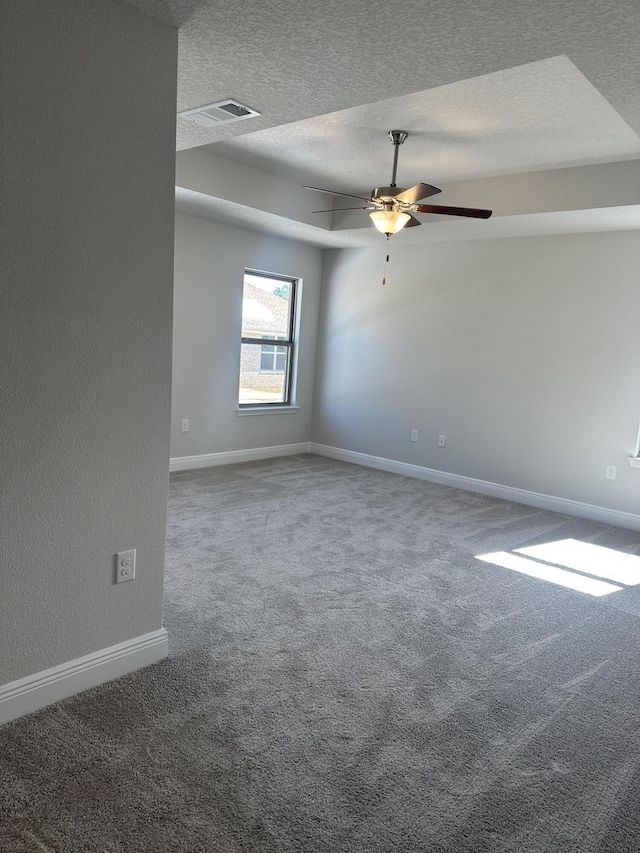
(125, 566)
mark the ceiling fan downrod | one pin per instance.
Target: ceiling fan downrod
(397, 137)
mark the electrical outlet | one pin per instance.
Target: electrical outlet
(442, 441)
(185, 425)
(125, 566)
(414, 435)
(611, 472)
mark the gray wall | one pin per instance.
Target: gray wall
(210, 260)
(88, 121)
(525, 353)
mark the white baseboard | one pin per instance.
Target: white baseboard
(51, 685)
(510, 493)
(207, 460)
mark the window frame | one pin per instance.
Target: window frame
(289, 343)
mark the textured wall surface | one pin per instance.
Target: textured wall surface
(210, 260)
(86, 229)
(523, 352)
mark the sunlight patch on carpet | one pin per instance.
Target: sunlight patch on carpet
(588, 558)
(552, 574)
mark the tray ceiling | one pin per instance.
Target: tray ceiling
(485, 87)
(542, 115)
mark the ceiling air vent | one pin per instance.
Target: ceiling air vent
(221, 112)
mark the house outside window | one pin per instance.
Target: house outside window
(268, 316)
(273, 358)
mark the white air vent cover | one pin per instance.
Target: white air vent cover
(219, 113)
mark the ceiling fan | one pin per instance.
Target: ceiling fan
(393, 207)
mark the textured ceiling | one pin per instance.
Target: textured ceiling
(292, 60)
(538, 116)
(486, 87)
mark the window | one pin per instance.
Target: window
(267, 351)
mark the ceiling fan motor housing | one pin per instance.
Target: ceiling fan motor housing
(385, 193)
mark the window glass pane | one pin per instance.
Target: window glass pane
(266, 307)
(258, 384)
(281, 359)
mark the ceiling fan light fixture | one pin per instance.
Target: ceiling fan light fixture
(389, 221)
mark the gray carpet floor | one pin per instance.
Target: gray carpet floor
(346, 677)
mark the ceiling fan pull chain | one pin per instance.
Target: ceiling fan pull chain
(384, 277)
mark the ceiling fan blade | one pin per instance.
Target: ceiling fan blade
(414, 194)
(412, 222)
(333, 192)
(474, 212)
(338, 209)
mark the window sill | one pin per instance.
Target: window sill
(267, 410)
(634, 461)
